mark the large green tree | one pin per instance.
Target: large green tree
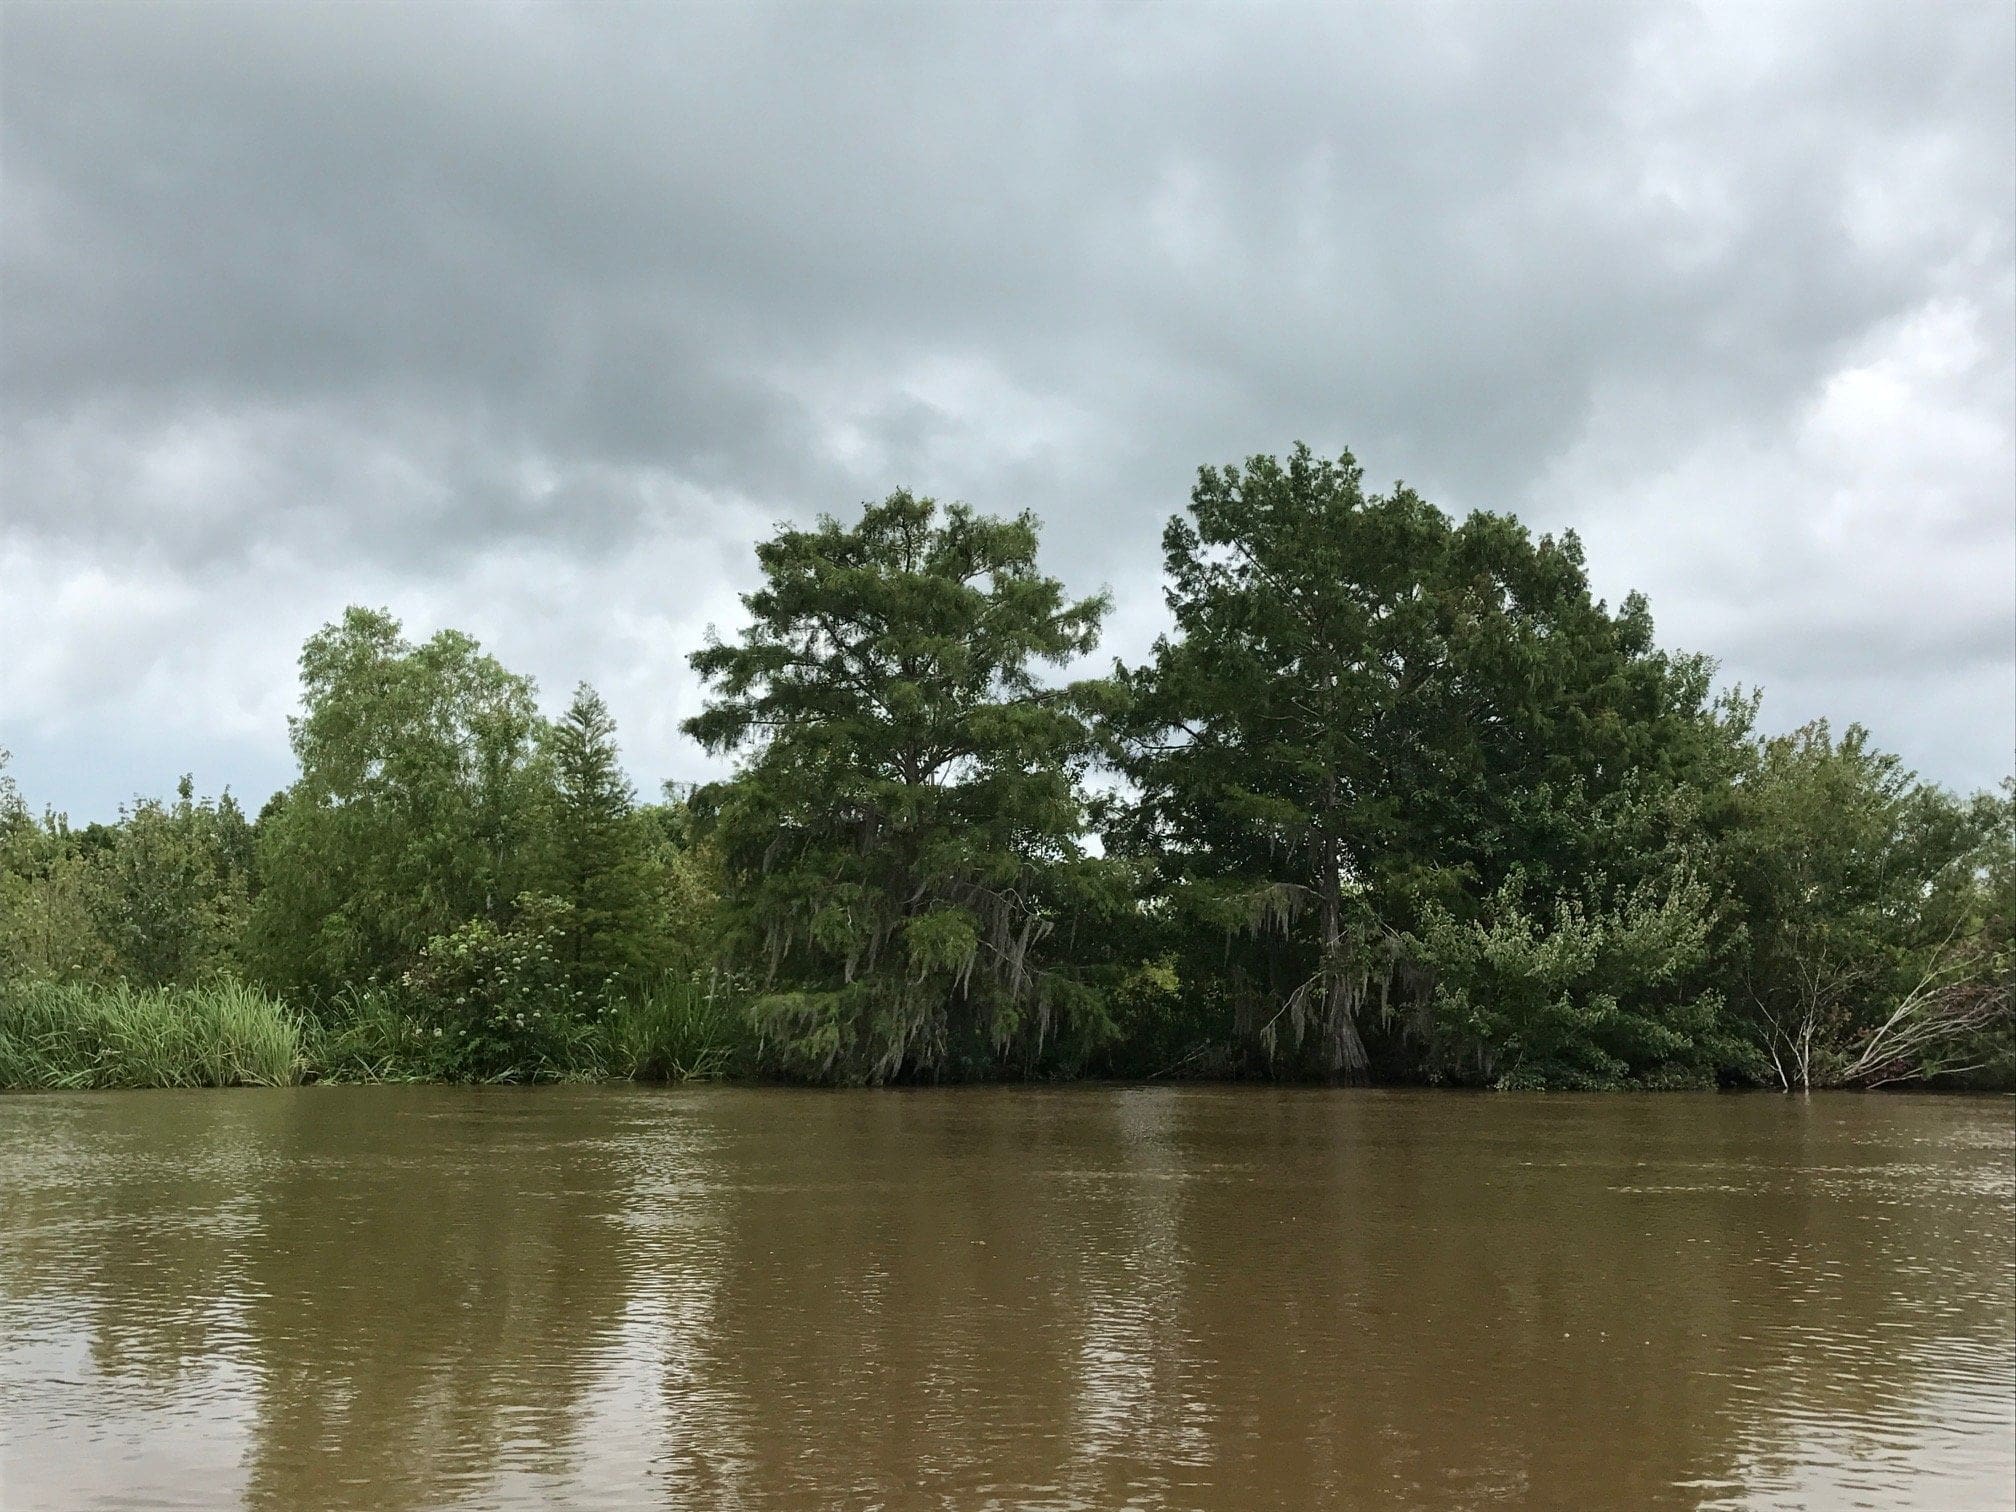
(170, 887)
(1876, 912)
(1367, 710)
(423, 802)
(901, 843)
(47, 924)
(604, 861)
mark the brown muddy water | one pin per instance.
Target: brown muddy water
(383, 1297)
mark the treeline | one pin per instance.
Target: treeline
(1397, 799)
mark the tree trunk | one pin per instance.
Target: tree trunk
(1348, 1060)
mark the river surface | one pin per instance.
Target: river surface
(1097, 1298)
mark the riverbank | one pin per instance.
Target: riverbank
(75, 1037)
(71, 1036)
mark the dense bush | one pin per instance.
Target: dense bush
(497, 1003)
(1573, 995)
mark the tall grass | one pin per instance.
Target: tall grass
(680, 1030)
(65, 1034)
(364, 1037)
(58, 1035)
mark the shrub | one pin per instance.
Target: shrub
(1571, 993)
(490, 1004)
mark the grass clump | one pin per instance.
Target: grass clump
(679, 1030)
(69, 1035)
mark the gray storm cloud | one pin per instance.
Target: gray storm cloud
(529, 319)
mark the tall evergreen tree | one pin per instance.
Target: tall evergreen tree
(601, 853)
(901, 843)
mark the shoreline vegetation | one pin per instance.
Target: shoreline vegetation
(73, 1037)
(1395, 800)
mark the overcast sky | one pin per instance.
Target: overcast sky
(530, 319)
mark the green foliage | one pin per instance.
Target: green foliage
(1978, 961)
(498, 1003)
(48, 926)
(902, 840)
(686, 871)
(172, 888)
(1577, 994)
(682, 1029)
(609, 861)
(1399, 798)
(675, 1030)
(1861, 887)
(368, 1036)
(422, 804)
(158, 899)
(1163, 1025)
(1354, 728)
(70, 1034)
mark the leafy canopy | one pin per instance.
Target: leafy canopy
(902, 840)
(1362, 713)
(421, 804)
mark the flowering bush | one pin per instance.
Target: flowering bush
(494, 1004)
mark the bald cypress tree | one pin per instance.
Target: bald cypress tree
(901, 842)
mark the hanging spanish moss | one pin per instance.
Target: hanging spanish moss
(906, 824)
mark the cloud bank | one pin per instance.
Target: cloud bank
(530, 319)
